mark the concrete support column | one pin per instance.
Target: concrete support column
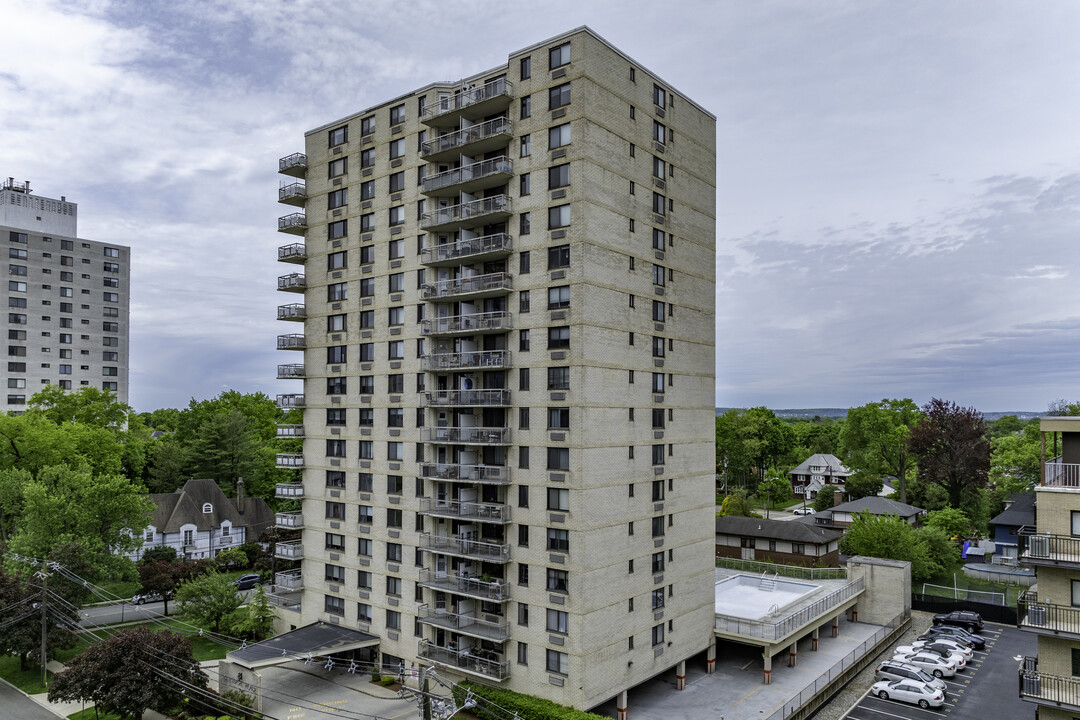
(710, 659)
(680, 676)
(813, 640)
(620, 706)
(836, 626)
(793, 654)
(855, 613)
(768, 667)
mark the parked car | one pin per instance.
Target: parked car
(246, 582)
(893, 670)
(955, 647)
(970, 621)
(931, 663)
(947, 654)
(910, 691)
(803, 511)
(142, 598)
(977, 641)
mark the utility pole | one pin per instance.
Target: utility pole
(44, 615)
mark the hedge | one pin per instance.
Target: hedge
(527, 707)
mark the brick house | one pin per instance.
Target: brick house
(817, 472)
(779, 541)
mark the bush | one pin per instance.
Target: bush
(526, 707)
(388, 680)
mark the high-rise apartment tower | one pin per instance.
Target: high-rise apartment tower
(67, 300)
(507, 363)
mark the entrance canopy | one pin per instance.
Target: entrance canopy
(311, 640)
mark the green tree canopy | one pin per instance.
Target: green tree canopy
(750, 441)
(737, 503)
(954, 523)
(889, 537)
(863, 484)
(209, 600)
(874, 439)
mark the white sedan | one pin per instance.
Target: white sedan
(955, 647)
(933, 664)
(910, 691)
(960, 660)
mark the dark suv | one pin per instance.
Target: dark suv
(970, 621)
(246, 582)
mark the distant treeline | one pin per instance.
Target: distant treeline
(810, 413)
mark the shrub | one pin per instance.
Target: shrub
(388, 680)
(527, 707)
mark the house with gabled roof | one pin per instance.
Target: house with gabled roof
(820, 471)
(778, 541)
(199, 520)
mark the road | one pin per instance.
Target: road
(126, 612)
(13, 704)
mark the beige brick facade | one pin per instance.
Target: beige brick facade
(484, 559)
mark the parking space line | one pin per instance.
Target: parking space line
(903, 717)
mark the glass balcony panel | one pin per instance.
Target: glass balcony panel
(291, 400)
(475, 323)
(473, 101)
(481, 512)
(291, 342)
(290, 460)
(482, 625)
(290, 431)
(473, 661)
(294, 224)
(474, 285)
(470, 178)
(289, 581)
(289, 550)
(295, 311)
(468, 360)
(290, 491)
(478, 549)
(292, 520)
(467, 214)
(466, 436)
(293, 282)
(292, 253)
(294, 193)
(290, 372)
(464, 583)
(475, 249)
(294, 165)
(477, 139)
(466, 398)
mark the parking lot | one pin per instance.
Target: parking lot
(986, 689)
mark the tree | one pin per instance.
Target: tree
(775, 491)
(1015, 459)
(863, 484)
(87, 405)
(874, 438)
(737, 503)
(750, 440)
(258, 622)
(20, 617)
(127, 674)
(168, 464)
(954, 523)
(952, 450)
(823, 500)
(939, 548)
(889, 537)
(226, 448)
(161, 574)
(230, 558)
(209, 600)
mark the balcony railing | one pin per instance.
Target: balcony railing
(294, 193)
(291, 342)
(1036, 548)
(465, 585)
(289, 581)
(495, 244)
(292, 520)
(492, 552)
(292, 371)
(466, 436)
(466, 660)
(293, 282)
(779, 629)
(290, 400)
(290, 431)
(1047, 618)
(289, 491)
(292, 253)
(488, 627)
(295, 224)
(466, 398)
(468, 360)
(1050, 690)
(483, 512)
(479, 138)
(289, 550)
(500, 88)
(484, 474)
(470, 175)
(473, 285)
(293, 311)
(295, 165)
(290, 460)
(474, 212)
(1064, 475)
(460, 324)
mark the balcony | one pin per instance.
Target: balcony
(290, 431)
(1046, 550)
(481, 512)
(476, 102)
(293, 253)
(294, 311)
(468, 214)
(466, 436)
(469, 360)
(477, 323)
(1051, 691)
(291, 520)
(478, 139)
(1043, 618)
(295, 224)
(293, 282)
(294, 371)
(290, 400)
(289, 491)
(470, 178)
(467, 661)
(291, 342)
(475, 549)
(483, 474)
(493, 590)
(290, 581)
(294, 193)
(466, 398)
(289, 550)
(1062, 475)
(294, 165)
(473, 286)
(486, 627)
(475, 249)
(290, 461)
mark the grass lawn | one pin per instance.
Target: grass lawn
(201, 648)
(964, 582)
(120, 588)
(91, 714)
(29, 681)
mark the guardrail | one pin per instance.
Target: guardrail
(795, 571)
(785, 626)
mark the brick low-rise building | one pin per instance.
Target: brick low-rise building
(780, 541)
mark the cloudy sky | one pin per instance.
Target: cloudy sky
(898, 188)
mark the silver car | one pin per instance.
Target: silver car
(931, 663)
(894, 670)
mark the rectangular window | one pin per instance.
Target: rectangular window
(558, 337)
(524, 301)
(558, 217)
(658, 346)
(558, 378)
(558, 176)
(397, 182)
(559, 56)
(337, 291)
(367, 125)
(338, 167)
(658, 635)
(523, 455)
(335, 416)
(393, 552)
(659, 97)
(558, 662)
(526, 107)
(559, 297)
(525, 225)
(335, 448)
(397, 215)
(526, 146)
(523, 378)
(558, 540)
(557, 580)
(559, 136)
(558, 458)
(659, 132)
(525, 184)
(339, 135)
(558, 418)
(558, 499)
(559, 96)
(397, 114)
(367, 450)
(523, 340)
(558, 257)
(558, 621)
(526, 68)
(334, 605)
